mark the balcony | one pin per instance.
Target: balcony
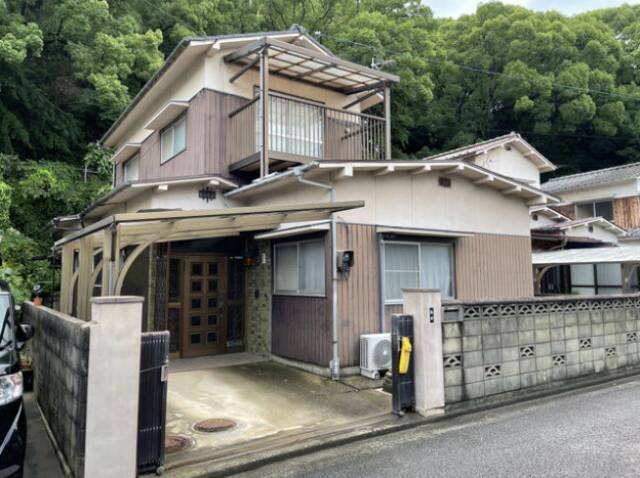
(275, 131)
(301, 131)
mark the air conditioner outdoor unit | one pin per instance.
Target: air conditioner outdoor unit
(375, 354)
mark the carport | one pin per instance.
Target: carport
(102, 253)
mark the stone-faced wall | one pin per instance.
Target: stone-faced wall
(495, 347)
(60, 350)
(259, 292)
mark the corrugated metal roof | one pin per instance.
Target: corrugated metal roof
(588, 256)
(598, 177)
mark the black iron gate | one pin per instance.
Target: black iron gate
(403, 389)
(152, 406)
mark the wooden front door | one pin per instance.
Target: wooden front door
(204, 310)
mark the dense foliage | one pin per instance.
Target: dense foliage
(68, 67)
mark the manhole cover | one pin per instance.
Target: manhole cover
(212, 425)
(175, 443)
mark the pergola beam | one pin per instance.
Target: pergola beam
(244, 69)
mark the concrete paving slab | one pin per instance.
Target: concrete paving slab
(266, 400)
(41, 460)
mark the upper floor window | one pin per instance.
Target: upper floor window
(130, 169)
(173, 140)
(409, 265)
(595, 208)
(299, 268)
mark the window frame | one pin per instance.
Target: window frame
(298, 292)
(592, 203)
(172, 127)
(597, 285)
(450, 245)
(132, 159)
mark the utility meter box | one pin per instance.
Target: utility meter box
(345, 260)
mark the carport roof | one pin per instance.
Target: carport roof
(595, 255)
(164, 226)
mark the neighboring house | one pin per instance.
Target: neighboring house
(283, 226)
(581, 245)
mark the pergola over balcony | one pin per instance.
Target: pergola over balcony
(296, 131)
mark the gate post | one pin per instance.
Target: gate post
(113, 387)
(426, 308)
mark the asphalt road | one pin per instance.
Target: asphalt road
(589, 433)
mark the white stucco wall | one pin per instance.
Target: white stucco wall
(510, 163)
(619, 190)
(415, 201)
(599, 233)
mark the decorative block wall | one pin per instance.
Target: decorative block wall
(503, 346)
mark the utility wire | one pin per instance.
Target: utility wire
(448, 62)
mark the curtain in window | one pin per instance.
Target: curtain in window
(401, 269)
(287, 268)
(180, 136)
(435, 268)
(312, 269)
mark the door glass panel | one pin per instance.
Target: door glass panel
(196, 269)
(195, 320)
(174, 280)
(196, 303)
(195, 338)
(213, 285)
(212, 319)
(196, 286)
(212, 302)
(213, 268)
(212, 337)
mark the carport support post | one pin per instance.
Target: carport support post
(111, 434)
(426, 308)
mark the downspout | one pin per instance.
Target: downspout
(334, 365)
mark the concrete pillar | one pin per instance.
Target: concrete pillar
(113, 387)
(425, 307)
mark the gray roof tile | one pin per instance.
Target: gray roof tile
(592, 178)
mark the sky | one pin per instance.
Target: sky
(455, 8)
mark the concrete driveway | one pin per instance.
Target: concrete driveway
(265, 400)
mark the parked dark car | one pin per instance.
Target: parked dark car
(13, 422)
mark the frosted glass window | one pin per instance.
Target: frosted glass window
(609, 275)
(414, 264)
(582, 274)
(583, 290)
(173, 140)
(286, 268)
(131, 169)
(299, 268)
(311, 267)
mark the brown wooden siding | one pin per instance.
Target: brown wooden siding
(626, 212)
(358, 291)
(568, 211)
(491, 266)
(206, 146)
(301, 329)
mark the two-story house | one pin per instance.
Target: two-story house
(256, 206)
(587, 243)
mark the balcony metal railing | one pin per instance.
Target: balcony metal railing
(301, 130)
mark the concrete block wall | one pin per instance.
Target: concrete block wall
(504, 346)
(60, 350)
